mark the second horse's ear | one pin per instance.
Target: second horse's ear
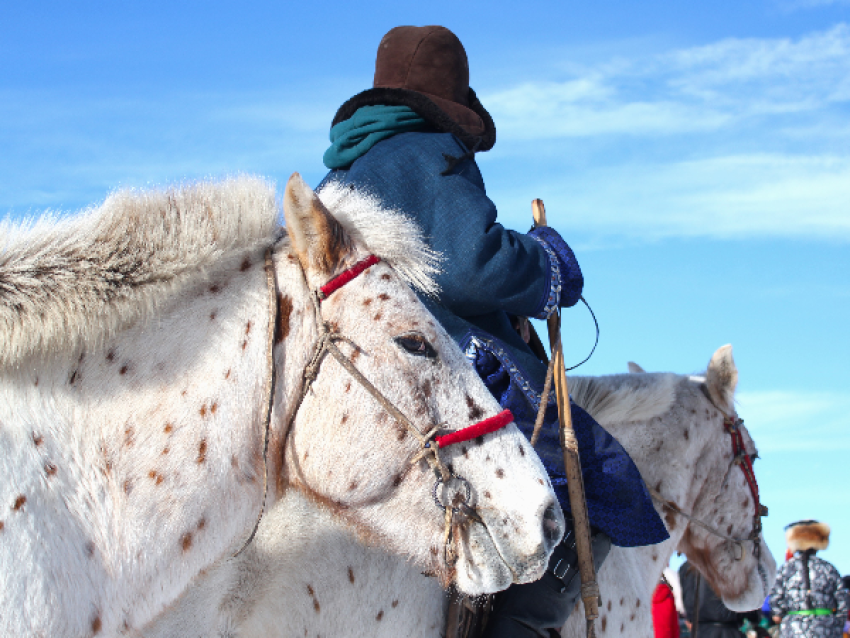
(635, 368)
(722, 378)
(319, 241)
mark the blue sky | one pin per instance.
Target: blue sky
(696, 155)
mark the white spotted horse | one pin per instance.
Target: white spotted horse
(174, 366)
(696, 457)
(679, 429)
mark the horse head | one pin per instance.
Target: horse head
(362, 454)
(732, 554)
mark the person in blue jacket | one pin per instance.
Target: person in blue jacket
(411, 142)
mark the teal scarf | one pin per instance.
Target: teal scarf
(369, 125)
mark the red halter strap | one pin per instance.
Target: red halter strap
(347, 275)
(475, 430)
(732, 426)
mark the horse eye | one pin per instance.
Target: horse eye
(415, 344)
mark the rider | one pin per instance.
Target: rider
(411, 141)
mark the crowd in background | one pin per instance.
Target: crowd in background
(809, 598)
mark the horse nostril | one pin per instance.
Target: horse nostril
(552, 526)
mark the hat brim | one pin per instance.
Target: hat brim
(473, 125)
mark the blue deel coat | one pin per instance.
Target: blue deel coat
(490, 272)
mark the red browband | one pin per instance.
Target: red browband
(475, 430)
(347, 275)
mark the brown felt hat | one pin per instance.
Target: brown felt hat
(426, 69)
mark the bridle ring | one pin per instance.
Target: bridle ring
(439, 494)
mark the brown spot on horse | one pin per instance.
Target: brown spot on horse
(19, 503)
(186, 541)
(202, 451)
(475, 412)
(284, 312)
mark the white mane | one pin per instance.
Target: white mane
(69, 282)
(625, 398)
(389, 234)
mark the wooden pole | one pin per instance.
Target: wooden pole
(572, 464)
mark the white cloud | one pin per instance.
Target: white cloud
(781, 421)
(735, 196)
(740, 138)
(692, 90)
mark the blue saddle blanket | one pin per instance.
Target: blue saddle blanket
(617, 500)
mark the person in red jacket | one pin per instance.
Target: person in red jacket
(665, 619)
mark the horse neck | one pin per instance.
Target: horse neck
(669, 449)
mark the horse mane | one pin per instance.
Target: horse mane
(71, 281)
(624, 398)
(74, 280)
(390, 234)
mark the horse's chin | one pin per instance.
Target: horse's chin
(482, 569)
(758, 586)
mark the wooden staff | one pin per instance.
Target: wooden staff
(572, 465)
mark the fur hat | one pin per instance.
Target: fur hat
(804, 535)
(426, 69)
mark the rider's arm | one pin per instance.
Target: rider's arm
(490, 267)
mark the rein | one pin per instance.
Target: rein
(271, 286)
(429, 442)
(732, 425)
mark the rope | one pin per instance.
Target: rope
(544, 396)
(271, 285)
(595, 343)
(656, 496)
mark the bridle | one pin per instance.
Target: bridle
(430, 443)
(732, 425)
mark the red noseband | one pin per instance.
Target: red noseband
(475, 430)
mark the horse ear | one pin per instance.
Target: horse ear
(319, 241)
(722, 378)
(635, 368)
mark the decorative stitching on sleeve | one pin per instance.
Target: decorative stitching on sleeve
(554, 295)
(478, 343)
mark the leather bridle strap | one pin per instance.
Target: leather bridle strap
(429, 442)
(740, 457)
